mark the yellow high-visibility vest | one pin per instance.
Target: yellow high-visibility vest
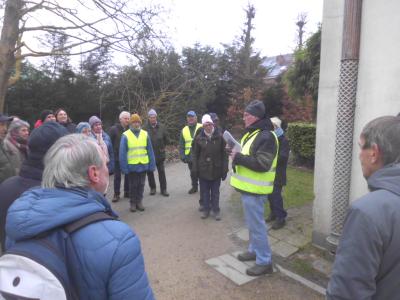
(188, 138)
(137, 147)
(246, 180)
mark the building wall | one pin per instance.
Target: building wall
(378, 93)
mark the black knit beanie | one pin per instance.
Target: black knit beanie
(256, 108)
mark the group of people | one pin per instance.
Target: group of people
(73, 172)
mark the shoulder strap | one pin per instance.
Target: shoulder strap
(95, 217)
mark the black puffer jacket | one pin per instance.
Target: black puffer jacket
(115, 133)
(159, 140)
(210, 160)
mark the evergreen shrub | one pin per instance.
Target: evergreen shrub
(302, 142)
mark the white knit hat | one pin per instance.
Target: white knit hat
(206, 119)
(276, 121)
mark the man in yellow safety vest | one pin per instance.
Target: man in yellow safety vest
(185, 146)
(136, 158)
(254, 174)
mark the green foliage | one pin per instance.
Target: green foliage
(299, 189)
(302, 141)
(302, 78)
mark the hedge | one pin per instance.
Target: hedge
(302, 142)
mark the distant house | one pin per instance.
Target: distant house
(277, 65)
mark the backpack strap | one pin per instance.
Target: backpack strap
(82, 222)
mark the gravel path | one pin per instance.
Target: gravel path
(176, 242)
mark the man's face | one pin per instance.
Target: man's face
(97, 128)
(191, 120)
(102, 175)
(23, 132)
(136, 125)
(50, 118)
(153, 119)
(370, 158)
(3, 129)
(124, 120)
(248, 119)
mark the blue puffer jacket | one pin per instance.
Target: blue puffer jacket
(112, 263)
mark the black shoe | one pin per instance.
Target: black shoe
(165, 193)
(133, 207)
(278, 224)
(152, 192)
(115, 198)
(192, 190)
(140, 206)
(126, 195)
(205, 214)
(270, 218)
(258, 270)
(246, 256)
(217, 216)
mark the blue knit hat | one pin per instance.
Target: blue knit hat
(81, 126)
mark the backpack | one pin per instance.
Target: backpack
(41, 267)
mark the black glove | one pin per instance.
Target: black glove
(223, 177)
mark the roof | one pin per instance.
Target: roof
(277, 65)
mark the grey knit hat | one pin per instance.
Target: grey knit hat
(94, 120)
(256, 108)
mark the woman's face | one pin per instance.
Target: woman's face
(23, 132)
(86, 131)
(62, 117)
(208, 127)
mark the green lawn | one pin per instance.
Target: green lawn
(297, 192)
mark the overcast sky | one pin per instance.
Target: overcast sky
(212, 22)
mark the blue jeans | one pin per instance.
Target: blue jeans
(276, 203)
(209, 193)
(253, 206)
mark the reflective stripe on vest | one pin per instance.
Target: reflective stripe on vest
(250, 181)
(188, 138)
(137, 147)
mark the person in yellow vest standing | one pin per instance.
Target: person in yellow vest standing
(254, 174)
(136, 158)
(185, 146)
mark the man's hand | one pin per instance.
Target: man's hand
(233, 154)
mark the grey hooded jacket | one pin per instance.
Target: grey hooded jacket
(367, 264)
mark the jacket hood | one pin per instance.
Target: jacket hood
(39, 210)
(387, 178)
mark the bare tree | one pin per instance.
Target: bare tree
(300, 23)
(86, 24)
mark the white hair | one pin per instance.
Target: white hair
(67, 161)
(124, 113)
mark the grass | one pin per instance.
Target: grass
(297, 192)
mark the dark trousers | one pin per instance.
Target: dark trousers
(276, 203)
(209, 191)
(136, 186)
(117, 180)
(161, 177)
(193, 176)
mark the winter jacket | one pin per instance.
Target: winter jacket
(115, 134)
(210, 160)
(109, 253)
(283, 157)
(29, 176)
(367, 263)
(71, 127)
(262, 151)
(138, 168)
(8, 163)
(107, 141)
(159, 140)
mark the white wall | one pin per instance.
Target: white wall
(378, 93)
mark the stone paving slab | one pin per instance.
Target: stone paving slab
(231, 268)
(297, 240)
(243, 234)
(283, 249)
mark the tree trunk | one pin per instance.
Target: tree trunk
(8, 41)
